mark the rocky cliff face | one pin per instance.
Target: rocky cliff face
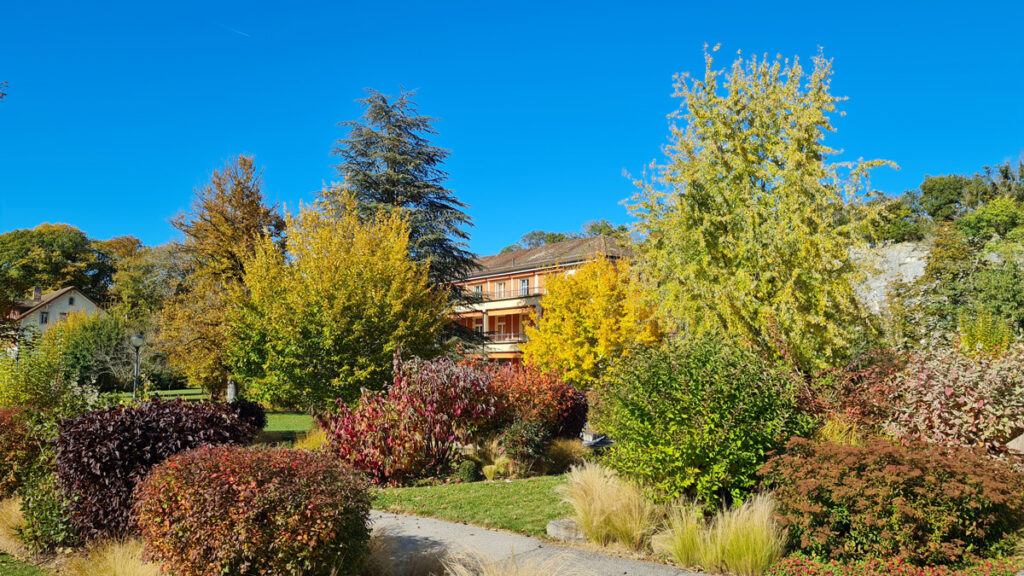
(886, 265)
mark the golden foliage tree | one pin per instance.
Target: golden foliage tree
(325, 319)
(229, 219)
(591, 317)
(747, 227)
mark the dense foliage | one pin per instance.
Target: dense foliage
(388, 163)
(922, 503)
(18, 451)
(52, 256)
(806, 566)
(412, 429)
(696, 418)
(950, 398)
(325, 320)
(102, 455)
(860, 392)
(239, 511)
(591, 318)
(527, 394)
(46, 509)
(747, 228)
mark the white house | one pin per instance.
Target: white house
(42, 311)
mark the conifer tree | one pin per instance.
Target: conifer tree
(388, 162)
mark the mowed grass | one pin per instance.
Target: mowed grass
(288, 422)
(11, 567)
(524, 506)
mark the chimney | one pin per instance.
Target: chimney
(37, 293)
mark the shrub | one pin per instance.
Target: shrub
(922, 503)
(314, 439)
(18, 451)
(47, 527)
(744, 540)
(860, 392)
(468, 471)
(984, 333)
(102, 455)
(802, 566)
(413, 428)
(251, 412)
(608, 509)
(229, 510)
(527, 394)
(111, 558)
(948, 398)
(525, 442)
(695, 418)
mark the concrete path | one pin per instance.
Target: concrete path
(416, 533)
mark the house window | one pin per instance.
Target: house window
(478, 290)
(44, 317)
(524, 287)
(71, 301)
(501, 290)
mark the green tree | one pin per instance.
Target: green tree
(229, 219)
(388, 162)
(746, 228)
(325, 320)
(52, 256)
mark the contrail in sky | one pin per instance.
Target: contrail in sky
(239, 32)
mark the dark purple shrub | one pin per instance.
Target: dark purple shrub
(102, 455)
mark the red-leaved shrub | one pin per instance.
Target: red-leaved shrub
(922, 503)
(953, 399)
(412, 429)
(17, 450)
(527, 394)
(102, 455)
(860, 392)
(239, 511)
(803, 566)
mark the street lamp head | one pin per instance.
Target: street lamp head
(138, 341)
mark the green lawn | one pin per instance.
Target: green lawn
(11, 567)
(288, 422)
(524, 506)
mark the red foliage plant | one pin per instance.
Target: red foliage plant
(922, 503)
(102, 455)
(802, 566)
(17, 450)
(527, 394)
(861, 392)
(232, 510)
(412, 429)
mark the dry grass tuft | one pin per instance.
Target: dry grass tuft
(469, 564)
(111, 558)
(744, 540)
(11, 519)
(313, 440)
(563, 454)
(608, 509)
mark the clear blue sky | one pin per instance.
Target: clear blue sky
(117, 110)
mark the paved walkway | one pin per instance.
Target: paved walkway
(413, 532)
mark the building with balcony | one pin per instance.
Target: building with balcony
(508, 289)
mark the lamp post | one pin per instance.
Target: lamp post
(137, 341)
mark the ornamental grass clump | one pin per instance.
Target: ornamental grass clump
(241, 511)
(608, 509)
(111, 558)
(11, 521)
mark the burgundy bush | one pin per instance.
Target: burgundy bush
(239, 511)
(17, 450)
(412, 429)
(102, 455)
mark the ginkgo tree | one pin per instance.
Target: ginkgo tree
(748, 226)
(591, 316)
(324, 319)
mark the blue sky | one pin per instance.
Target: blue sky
(116, 111)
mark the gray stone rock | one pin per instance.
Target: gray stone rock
(565, 530)
(1017, 445)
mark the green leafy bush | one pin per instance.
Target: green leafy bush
(230, 510)
(804, 566)
(696, 418)
(953, 399)
(984, 333)
(468, 471)
(525, 442)
(921, 503)
(18, 451)
(47, 527)
(101, 455)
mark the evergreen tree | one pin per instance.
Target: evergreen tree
(388, 162)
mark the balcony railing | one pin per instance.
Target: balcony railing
(505, 337)
(484, 295)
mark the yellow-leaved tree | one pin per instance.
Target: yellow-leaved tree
(591, 316)
(748, 226)
(324, 319)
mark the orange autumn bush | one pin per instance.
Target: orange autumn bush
(529, 395)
